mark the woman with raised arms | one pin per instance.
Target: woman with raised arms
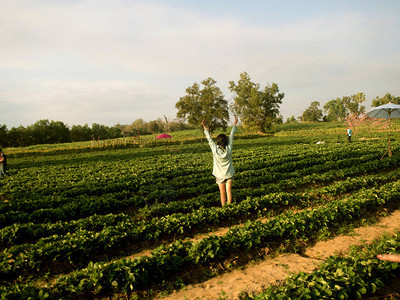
(222, 161)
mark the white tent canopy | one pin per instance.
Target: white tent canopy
(385, 111)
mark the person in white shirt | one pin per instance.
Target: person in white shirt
(222, 161)
(349, 132)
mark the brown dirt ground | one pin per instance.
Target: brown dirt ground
(256, 277)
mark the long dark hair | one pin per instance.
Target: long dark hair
(222, 141)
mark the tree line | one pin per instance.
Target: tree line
(53, 132)
(258, 108)
(338, 109)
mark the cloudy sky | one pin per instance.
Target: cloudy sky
(109, 62)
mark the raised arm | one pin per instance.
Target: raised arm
(203, 123)
(233, 130)
(213, 146)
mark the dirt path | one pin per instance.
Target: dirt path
(255, 278)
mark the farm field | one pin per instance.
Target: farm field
(144, 221)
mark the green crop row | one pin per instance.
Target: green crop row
(121, 196)
(19, 233)
(29, 232)
(166, 261)
(156, 228)
(263, 187)
(65, 247)
(350, 277)
(93, 175)
(80, 246)
(77, 208)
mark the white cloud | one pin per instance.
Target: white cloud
(77, 102)
(68, 60)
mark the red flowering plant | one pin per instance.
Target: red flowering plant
(361, 124)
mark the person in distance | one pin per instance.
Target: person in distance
(222, 161)
(3, 164)
(349, 133)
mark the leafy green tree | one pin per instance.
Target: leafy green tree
(353, 103)
(385, 99)
(155, 126)
(335, 110)
(278, 120)
(81, 133)
(104, 132)
(46, 132)
(312, 113)
(19, 137)
(114, 132)
(179, 124)
(99, 131)
(139, 126)
(58, 132)
(204, 102)
(292, 119)
(257, 109)
(39, 131)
